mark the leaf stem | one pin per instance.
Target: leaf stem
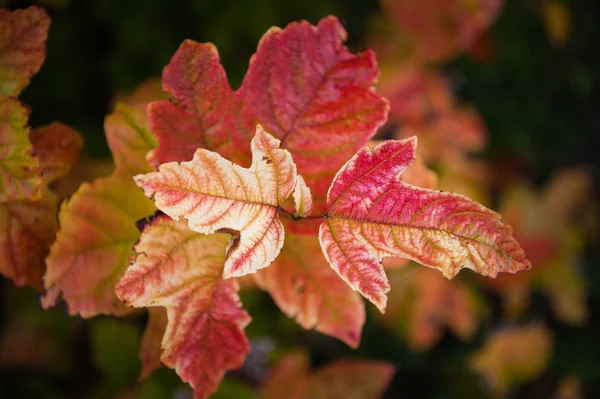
(295, 216)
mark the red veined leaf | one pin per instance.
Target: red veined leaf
(181, 270)
(27, 230)
(151, 348)
(93, 245)
(214, 195)
(19, 170)
(422, 303)
(22, 47)
(513, 356)
(57, 147)
(348, 379)
(373, 214)
(302, 85)
(202, 112)
(306, 288)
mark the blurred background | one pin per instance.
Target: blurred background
(504, 96)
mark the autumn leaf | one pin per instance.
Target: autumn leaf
(441, 28)
(373, 214)
(214, 195)
(93, 245)
(513, 356)
(182, 270)
(348, 379)
(29, 227)
(422, 303)
(303, 86)
(551, 226)
(22, 47)
(27, 230)
(306, 288)
(128, 132)
(19, 170)
(151, 348)
(57, 147)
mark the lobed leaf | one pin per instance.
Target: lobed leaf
(27, 230)
(22, 47)
(306, 288)
(215, 195)
(182, 270)
(373, 214)
(19, 170)
(57, 147)
(302, 85)
(92, 248)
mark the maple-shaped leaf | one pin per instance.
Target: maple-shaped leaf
(20, 176)
(303, 86)
(348, 379)
(151, 348)
(306, 288)
(422, 303)
(57, 147)
(92, 248)
(373, 214)
(22, 47)
(27, 230)
(182, 270)
(214, 195)
(513, 356)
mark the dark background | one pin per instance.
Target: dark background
(540, 104)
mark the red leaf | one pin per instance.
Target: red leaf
(307, 289)
(302, 85)
(204, 336)
(373, 214)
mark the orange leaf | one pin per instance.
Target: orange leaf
(27, 229)
(57, 146)
(92, 248)
(151, 349)
(348, 379)
(214, 195)
(513, 356)
(373, 214)
(422, 303)
(22, 47)
(181, 270)
(307, 289)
